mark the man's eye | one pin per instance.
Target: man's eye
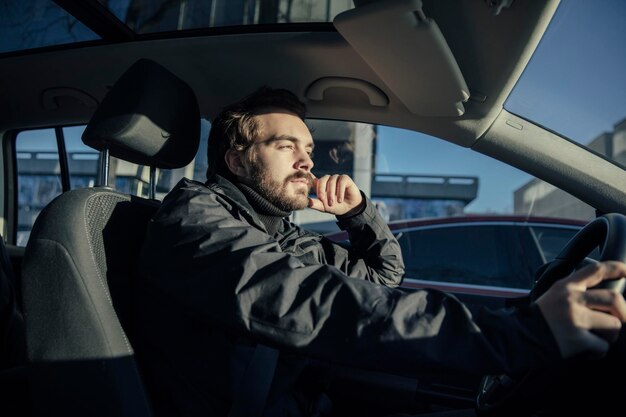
(286, 147)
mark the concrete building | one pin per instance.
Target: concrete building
(543, 199)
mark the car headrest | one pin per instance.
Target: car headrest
(149, 117)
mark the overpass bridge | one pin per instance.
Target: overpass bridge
(425, 187)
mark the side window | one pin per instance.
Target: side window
(476, 255)
(551, 240)
(40, 176)
(82, 161)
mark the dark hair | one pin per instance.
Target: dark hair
(236, 127)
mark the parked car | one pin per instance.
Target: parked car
(484, 255)
(436, 108)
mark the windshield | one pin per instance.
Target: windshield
(575, 83)
(38, 23)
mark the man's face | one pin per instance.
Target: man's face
(280, 163)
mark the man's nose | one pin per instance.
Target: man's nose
(305, 162)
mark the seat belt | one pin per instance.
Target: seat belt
(250, 400)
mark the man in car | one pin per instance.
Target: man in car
(225, 271)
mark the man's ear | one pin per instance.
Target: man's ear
(234, 162)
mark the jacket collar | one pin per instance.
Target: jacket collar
(230, 192)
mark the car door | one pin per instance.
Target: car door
(480, 262)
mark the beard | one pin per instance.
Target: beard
(276, 192)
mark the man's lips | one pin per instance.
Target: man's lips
(301, 181)
(302, 178)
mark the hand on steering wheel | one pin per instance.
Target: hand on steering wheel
(585, 319)
(575, 312)
(584, 309)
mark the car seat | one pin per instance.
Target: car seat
(79, 265)
(13, 372)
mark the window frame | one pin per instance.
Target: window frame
(9, 186)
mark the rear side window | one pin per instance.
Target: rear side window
(42, 153)
(38, 177)
(82, 161)
(478, 255)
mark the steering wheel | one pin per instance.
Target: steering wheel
(503, 394)
(608, 232)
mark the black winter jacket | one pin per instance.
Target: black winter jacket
(214, 283)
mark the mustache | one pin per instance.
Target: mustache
(301, 175)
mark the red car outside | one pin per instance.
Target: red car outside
(478, 255)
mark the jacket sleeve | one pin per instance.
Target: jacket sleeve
(222, 271)
(375, 254)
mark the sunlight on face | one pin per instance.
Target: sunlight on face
(279, 162)
(276, 191)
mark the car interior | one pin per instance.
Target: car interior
(67, 297)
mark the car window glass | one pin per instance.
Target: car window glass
(82, 160)
(39, 173)
(476, 255)
(38, 177)
(551, 240)
(38, 23)
(412, 175)
(150, 16)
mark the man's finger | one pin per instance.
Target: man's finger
(342, 184)
(316, 204)
(320, 189)
(604, 325)
(597, 320)
(593, 274)
(605, 300)
(331, 189)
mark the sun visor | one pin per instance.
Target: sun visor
(409, 54)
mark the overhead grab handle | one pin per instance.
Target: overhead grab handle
(51, 97)
(375, 96)
(396, 39)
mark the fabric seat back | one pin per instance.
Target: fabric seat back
(13, 388)
(80, 261)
